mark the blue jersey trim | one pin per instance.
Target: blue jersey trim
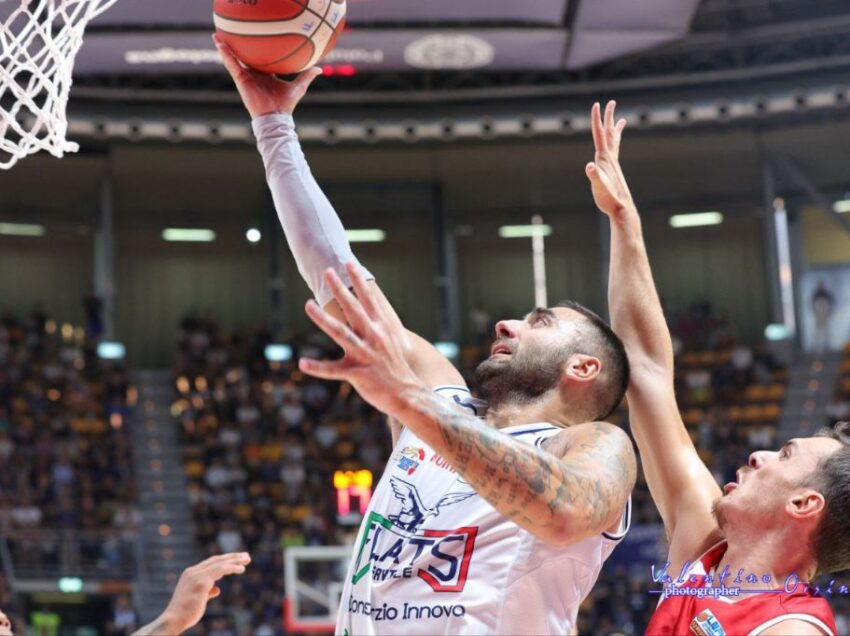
(627, 524)
(534, 430)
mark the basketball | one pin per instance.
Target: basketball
(280, 36)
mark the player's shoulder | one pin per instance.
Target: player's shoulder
(804, 605)
(589, 434)
(795, 612)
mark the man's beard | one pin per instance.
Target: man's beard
(520, 378)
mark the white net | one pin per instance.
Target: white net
(39, 40)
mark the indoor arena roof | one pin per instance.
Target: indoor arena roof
(163, 36)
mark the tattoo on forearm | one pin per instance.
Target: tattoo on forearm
(584, 478)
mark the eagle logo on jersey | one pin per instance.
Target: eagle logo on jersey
(414, 512)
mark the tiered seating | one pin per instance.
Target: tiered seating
(66, 481)
(261, 443)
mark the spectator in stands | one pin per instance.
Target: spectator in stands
(823, 305)
(65, 457)
(125, 619)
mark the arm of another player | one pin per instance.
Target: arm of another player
(574, 487)
(312, 227)
(196, 586)
(681, 485)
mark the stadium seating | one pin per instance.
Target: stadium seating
(67, 489)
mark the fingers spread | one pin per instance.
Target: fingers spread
(338, 332)
(599, 140)
(324, 369)
(351, 307)
(231, 63)
(365, 293)
(306, 78)
(609, 115)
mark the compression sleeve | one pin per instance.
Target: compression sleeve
(313, 230)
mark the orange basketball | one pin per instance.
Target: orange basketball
(279, 36)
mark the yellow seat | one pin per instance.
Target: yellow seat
(194, 469)
(243, 512)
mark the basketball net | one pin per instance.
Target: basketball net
(39, 41)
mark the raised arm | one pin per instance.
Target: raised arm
(312, 227)
(572, 488)
(681, 485)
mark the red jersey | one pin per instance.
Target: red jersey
(689, 615)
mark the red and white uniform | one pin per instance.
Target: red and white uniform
(750, 614)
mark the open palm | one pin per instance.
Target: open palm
(608, 184)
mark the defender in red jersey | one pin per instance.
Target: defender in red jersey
(784, 519)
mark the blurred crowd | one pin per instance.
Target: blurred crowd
(261, 444)
(67, 491)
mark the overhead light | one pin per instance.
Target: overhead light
(188, 235)
(696, 219)
(365, 236)
(253, 235)
(841, 206)
(111, 351)
(278, 353)
(525, 231)
(21, 229)
(70, 585)
(777, 331)
(448, 349)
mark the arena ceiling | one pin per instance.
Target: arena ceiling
(395, 50)
(439, 51)
(160, 36)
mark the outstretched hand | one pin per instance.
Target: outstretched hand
(196, 586)
(263, 93)
(610, 191)
(374, 362)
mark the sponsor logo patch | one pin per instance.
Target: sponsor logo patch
(706, 624)
(408, 459)
(394, 547)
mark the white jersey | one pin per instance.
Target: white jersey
(432, 557)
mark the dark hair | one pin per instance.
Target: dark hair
(832, 479)
(607, 346)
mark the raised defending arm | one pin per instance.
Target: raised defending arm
(681, 485)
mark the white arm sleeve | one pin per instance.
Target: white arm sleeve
(313, 230)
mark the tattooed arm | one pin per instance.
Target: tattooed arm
(574, 487)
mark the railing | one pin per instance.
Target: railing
(92, 554)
